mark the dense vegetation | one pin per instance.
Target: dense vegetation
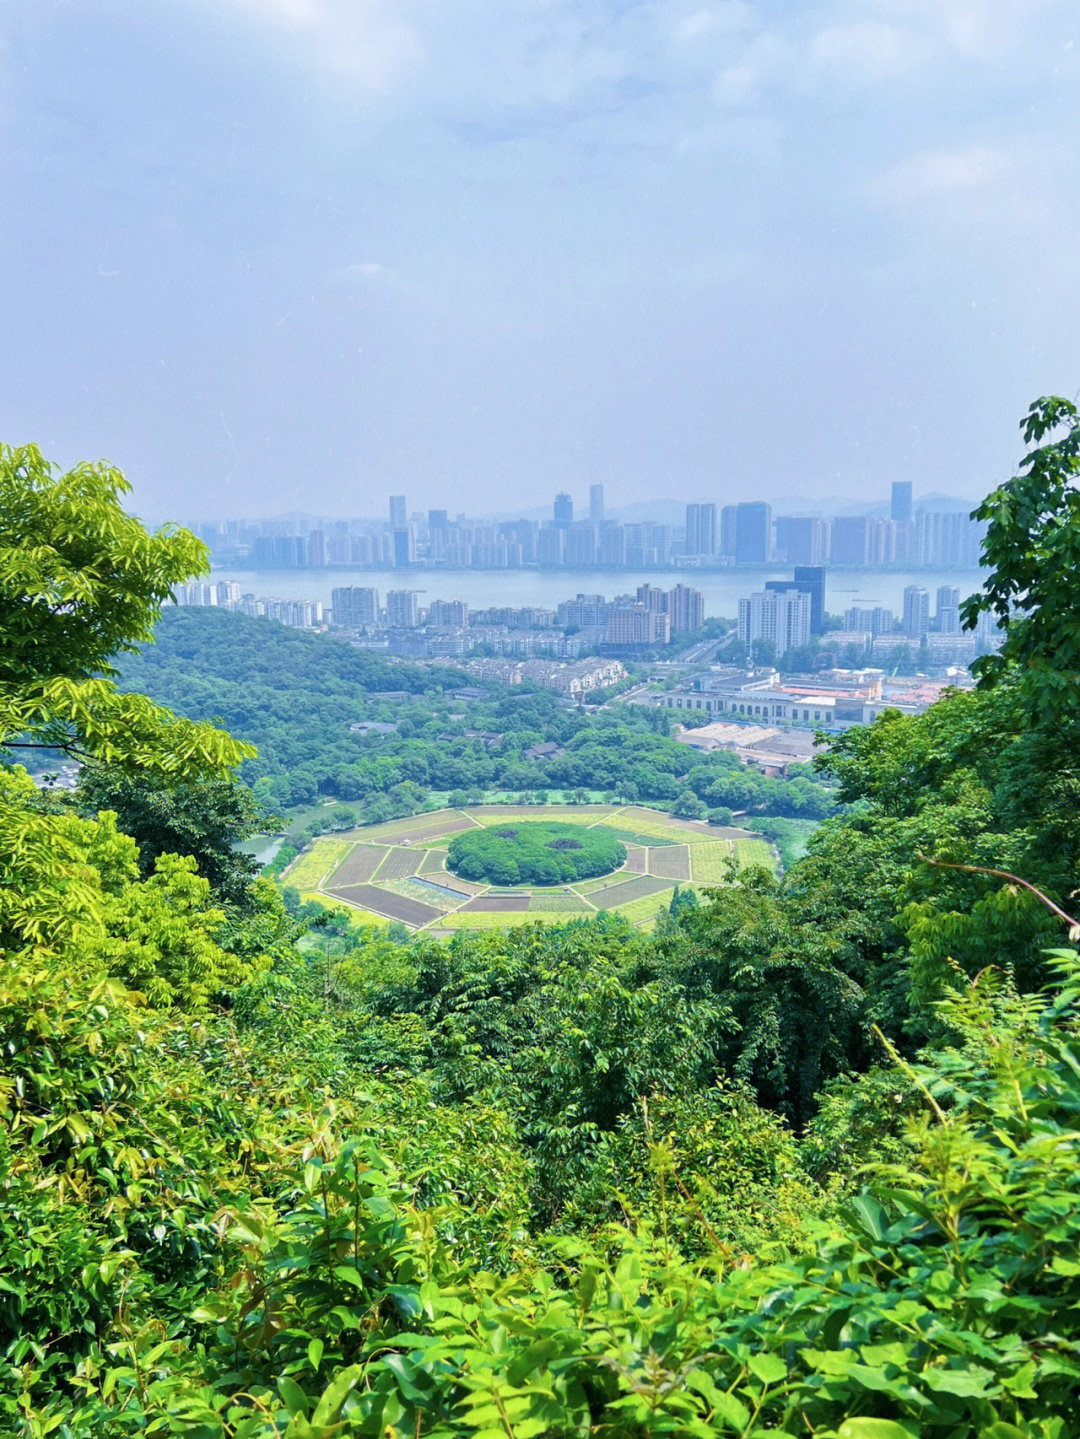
(295, 696)
(802, 1161)
(536, 852)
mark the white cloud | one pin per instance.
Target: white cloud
(371, 44)
(729, 17)
(935, 174)
(735, 86)
(866, 52)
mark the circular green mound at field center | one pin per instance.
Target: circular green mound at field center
(534, 852)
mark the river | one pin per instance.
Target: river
(545, 588)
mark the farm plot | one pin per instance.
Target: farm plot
(628, 891)
(637, 859)
(360, 865)
(488, 814)
(671, 861)
(644, 911)
(708, 862)
(434, 860)
(400, 863)
(460, 920)
(417, 828)
(382, 901)
(497, 904)
(635, 836)
(309, 869)
(426, 892)
(755, 851)
(657, 826)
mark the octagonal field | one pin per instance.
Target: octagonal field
(399, 870)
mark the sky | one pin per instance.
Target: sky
(268, 255)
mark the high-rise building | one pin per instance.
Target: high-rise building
(686, 608)
(850, 542)
(873, 619)
(436, 520)
(355, 606)
(801, 539)
(404, 547)
(448, 612)
(782, 616)
(916, 612)
(402, 610)
(753, 531)
(613, 547)
(811, 580)
(581, 544)
(316, 552)
(551, 549)
(637, 625)
(596, 504)
(701, 530)
(900, 508)
(653, 598)
(398, 516)
(564, 511)
(948, 609)
(729, 516)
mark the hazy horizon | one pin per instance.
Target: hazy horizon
(268, 255)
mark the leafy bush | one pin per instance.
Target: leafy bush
(543, 852)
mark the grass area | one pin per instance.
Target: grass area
(309, 869)
(708, 861)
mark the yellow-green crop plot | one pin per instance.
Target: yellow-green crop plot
(755, 851)
(708, 862)
(639, 911)
(309, 869)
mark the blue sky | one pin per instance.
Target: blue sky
(274, 254)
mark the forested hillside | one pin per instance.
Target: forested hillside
(804, 1160)
(295, 695)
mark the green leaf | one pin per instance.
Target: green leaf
(767, 1367)
(867, 1428)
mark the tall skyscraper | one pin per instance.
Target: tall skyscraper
(850, 541)
(398, 517)
(801, 540)
(753, 531)
(729, 515)
(686, 608)
(436, 519)
(810, 580)
(404, 548)
(402, 610)
(900, 508)
(948, 610)
(564, 511)
(354, 606)
(701, 530)
(916, 612)
(782, 616)
(596, 504)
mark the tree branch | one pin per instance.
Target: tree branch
(1001, 874)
